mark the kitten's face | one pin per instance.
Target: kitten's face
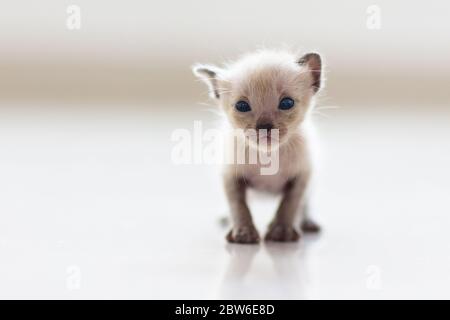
(267, 98)
(267, 93)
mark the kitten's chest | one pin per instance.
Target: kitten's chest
(273, 183)
(270, 183)
(293, 160)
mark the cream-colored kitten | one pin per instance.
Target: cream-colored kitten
(273, 92)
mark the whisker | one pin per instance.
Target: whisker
(327, 107)
(314, 112)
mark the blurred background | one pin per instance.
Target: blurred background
(141, 51)
(92, 207)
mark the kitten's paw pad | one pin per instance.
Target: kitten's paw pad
(246, 234)
(282, 233)
(310, 226)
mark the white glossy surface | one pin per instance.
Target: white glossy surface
(92, 207)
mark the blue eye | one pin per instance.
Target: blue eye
(242, 106)
(286, 104)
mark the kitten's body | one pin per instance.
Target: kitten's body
(294, 159)
(263, 80)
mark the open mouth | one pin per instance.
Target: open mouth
(268, 137)
(264, 137)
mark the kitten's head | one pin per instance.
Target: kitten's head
(265, 90)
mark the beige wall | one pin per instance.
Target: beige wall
(140, 51)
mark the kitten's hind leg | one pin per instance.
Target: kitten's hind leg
(307, 224)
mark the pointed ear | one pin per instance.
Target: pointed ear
(314, 62)
(209, 74)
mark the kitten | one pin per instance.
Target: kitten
(273, 92)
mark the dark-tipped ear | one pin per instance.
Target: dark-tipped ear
(209, 74)
(314, 62)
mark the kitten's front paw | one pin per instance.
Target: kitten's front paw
(244, 234)
(282, 233)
